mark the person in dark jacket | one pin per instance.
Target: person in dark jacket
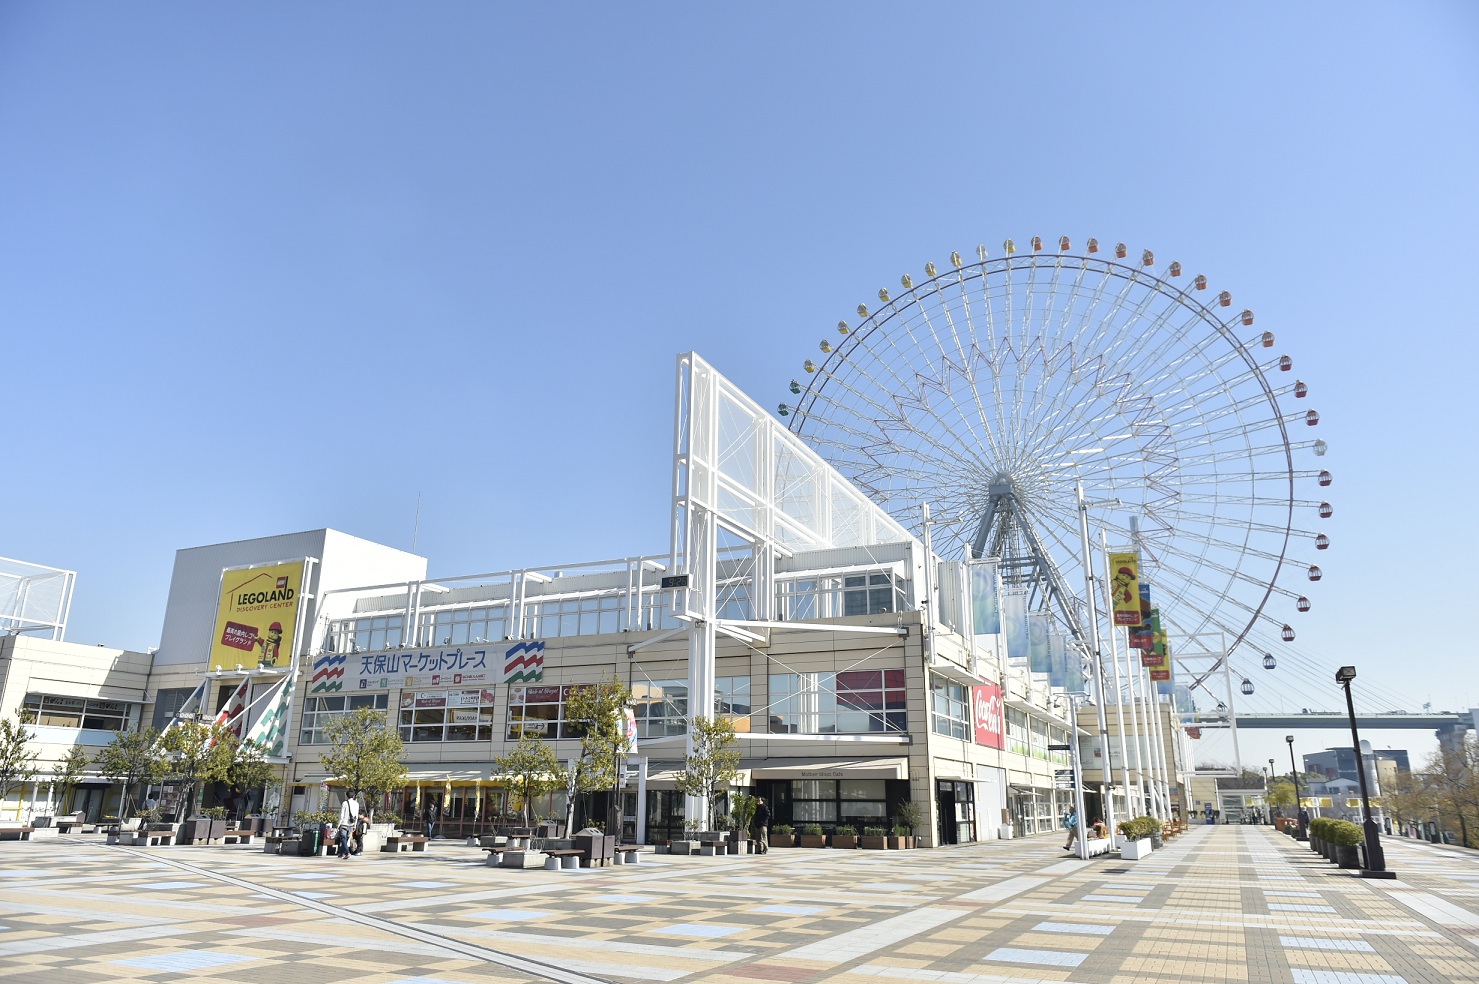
(762, 825)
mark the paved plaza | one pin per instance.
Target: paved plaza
(1217, 904)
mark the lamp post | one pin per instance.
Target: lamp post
(1271, 805)
(1300, 833)
(1376, 862)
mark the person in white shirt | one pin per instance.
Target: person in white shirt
(348, 817)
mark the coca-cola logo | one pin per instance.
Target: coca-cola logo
(988, 712)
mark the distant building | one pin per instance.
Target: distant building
(1340, 763)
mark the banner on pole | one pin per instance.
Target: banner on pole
(1124, 587)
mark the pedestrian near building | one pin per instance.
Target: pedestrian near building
(1071, 822)
(433, 815)
(348, 820)
(762, 825)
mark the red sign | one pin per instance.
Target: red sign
(239, 636)
(989, 715)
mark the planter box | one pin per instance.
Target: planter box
(1348, 857)
(1134, 850)
(900, 842)
(782, 840)
(847, 842)
(813, 840)
(1005, 832)
(873, 843)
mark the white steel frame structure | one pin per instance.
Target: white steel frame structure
(35, 600)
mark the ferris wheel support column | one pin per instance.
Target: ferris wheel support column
(1106, 776)
(1119, 695)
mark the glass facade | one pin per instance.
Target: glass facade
(78, 712)
(318, 711)
(447, 715)
(849, 702)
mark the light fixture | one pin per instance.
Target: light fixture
(1345, 674)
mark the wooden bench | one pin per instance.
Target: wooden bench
(272, 843)
(628, 854)
(236, 837)
(16, 833)
(395, 844)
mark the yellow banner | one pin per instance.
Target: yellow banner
(1124, 587)
(257, 615)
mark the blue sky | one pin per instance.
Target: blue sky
(273, 267)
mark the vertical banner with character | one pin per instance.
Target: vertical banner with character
(985, 598)
(1124, 587)
(258, 615)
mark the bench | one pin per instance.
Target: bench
(397, 843)
(272, 843)
(236, 837)
(562, 857)
(16, 833)
(628, 854)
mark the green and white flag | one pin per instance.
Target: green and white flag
(271, 729)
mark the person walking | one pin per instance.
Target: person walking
(762, 825)
(433, 814)
(348, 820)
(1071, 822)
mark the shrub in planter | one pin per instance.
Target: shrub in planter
(783, 835)
(1346, 837)
(812, 836)
(874, 839)
(845, 836)
(902, 837)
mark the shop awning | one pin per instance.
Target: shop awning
(871, 768)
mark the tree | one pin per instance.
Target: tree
(132, 758)
(365, 755)
(714, 762)
(1452, 776)
(195, 754)
(67, 773)
(531, 769)
(250, 769)
(598, 713)
(1407, 800)
(17, 758)
(1281, 795)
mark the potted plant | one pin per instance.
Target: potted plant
(217, 815)
(812, 836)
(1136, 838)
(901, 839)
(874, 839)
(1347, 837)
(911, 816)
(845, 836)
(742, 812)
(782, 835)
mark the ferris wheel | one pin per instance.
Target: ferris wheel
(992, 390)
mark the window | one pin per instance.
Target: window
(539, 711)
(319, 711)
(1038, 738)
(1056, 737)
(464, 625)
(52, 711)
(661, 708)
(868, 594)
(850, 702)
(861, 802)
(950, 709)
(732, 700)
(447, 715)
(364, 635)
(1016, 731)
(814, 800)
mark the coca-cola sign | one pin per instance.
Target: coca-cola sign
(986, 708)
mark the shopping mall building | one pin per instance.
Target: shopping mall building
(856, 667)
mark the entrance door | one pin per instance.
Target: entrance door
(945, 803)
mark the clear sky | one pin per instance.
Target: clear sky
(269, 267)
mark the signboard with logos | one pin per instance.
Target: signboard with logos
(257, 615)
(1124, 587)
(988, 715)
(483, 664)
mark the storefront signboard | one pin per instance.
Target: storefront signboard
(986, 711)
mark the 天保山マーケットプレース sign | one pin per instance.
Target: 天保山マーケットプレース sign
(258, 615)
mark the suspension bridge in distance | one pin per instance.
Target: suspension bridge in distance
(1333, 720)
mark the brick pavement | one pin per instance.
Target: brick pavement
(1234, 904)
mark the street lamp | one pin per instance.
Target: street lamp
(1300, 833)
(1271, 806)
(1376, 862)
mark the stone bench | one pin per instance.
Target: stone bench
(236, 837)
(395, 844)
(17, 833)
(627, 854)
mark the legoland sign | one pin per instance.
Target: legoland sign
(986, 709)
